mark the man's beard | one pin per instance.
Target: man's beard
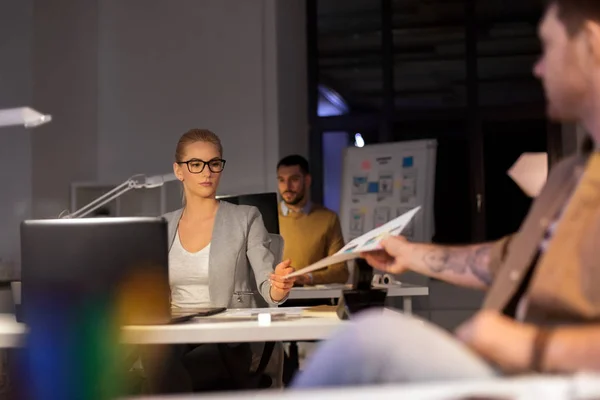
(297, 199)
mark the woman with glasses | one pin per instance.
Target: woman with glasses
(219, 257)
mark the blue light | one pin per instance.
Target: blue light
(331, 103)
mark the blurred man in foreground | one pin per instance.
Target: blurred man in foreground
(543, 305)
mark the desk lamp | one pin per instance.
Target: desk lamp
(135, 182)
(25, 116)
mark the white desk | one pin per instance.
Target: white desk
(521, 388)
(12, 333)
(404, 290)
(229, 328)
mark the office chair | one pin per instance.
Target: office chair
(269, 371)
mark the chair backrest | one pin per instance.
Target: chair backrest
(266, 203)
(276, 247)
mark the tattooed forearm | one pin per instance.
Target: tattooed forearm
(445, 258)
(479, 263)
(468, 260)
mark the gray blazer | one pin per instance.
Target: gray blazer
(240, 261)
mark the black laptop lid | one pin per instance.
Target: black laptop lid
(124, 261)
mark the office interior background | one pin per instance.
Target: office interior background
(124, 78)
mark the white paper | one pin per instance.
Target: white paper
(530, 172)
(368, 242)
(254, 312)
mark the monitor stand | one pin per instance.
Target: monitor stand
(362, 296)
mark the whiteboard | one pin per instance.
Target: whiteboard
(383, 181)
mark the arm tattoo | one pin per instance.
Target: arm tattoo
(460, 261)
(479, 263)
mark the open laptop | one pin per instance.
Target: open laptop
(115, 267)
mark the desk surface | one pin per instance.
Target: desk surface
(238, 326)
(522, 388)
(334, 291)
(12, 333)
(235, 325)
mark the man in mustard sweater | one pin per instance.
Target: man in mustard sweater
(311, 232)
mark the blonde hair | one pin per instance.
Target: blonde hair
(193, 136)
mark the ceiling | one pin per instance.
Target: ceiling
(429, 52)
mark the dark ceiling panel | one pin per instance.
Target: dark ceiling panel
(429, 51)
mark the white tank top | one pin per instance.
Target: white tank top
(188, 276)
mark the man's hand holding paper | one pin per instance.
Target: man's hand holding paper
(383, 241)
(394, 257)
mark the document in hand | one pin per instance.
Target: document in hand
(368, 242)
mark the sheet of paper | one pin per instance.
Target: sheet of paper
(368, 242)
(253, 312)
(530, 172)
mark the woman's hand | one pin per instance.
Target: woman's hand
(281, 286)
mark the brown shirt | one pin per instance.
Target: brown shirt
(565, 282)
(311, 235)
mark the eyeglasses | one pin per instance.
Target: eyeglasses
(196, 166)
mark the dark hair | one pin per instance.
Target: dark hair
(292, 161)
(574, 13)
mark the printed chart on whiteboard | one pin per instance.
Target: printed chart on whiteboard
(384, 181)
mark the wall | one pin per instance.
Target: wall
(121, 90)
(153, 87)
(16, 17)
(219, 67)
(65, 65)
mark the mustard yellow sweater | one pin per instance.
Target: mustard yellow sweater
(311, 237)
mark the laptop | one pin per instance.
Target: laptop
(114, 267)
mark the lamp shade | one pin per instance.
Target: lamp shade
(24, 116)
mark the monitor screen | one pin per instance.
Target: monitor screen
(266, 204)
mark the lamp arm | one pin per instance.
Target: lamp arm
(106, 198)
(97, 204)
(135, 182)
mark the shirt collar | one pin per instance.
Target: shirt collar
(285, 210)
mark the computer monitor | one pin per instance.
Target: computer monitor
(266, 204)
(117, 267)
